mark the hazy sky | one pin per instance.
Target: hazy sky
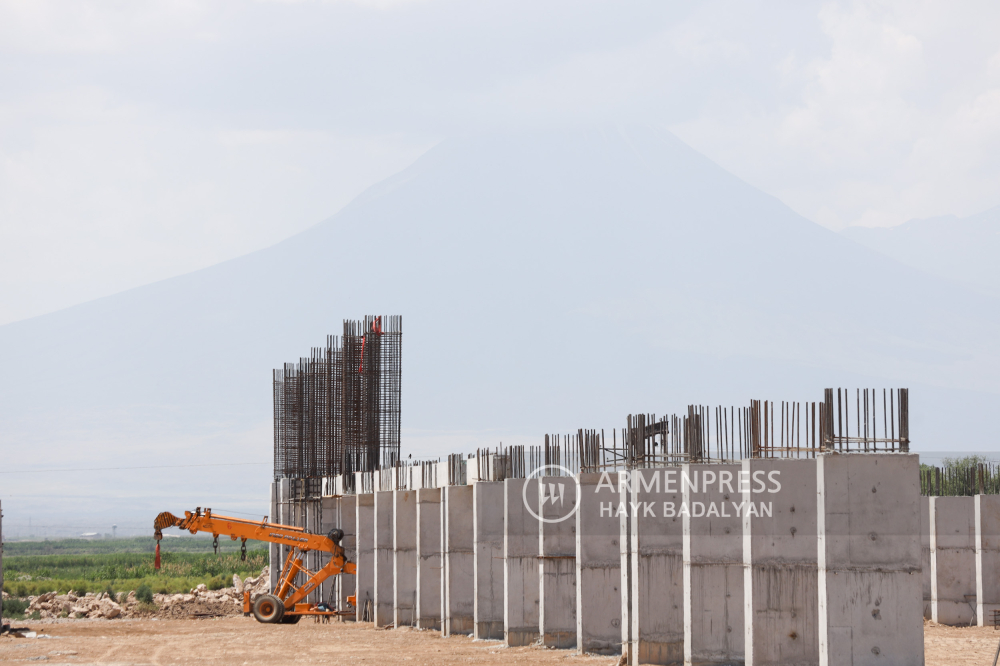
(140, 140)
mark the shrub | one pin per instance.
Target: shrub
(144, 594)
(14, 608)
(216, 583)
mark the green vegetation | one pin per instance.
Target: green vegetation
(960, 476)
(32, 568)
(184, 544)
(14, 608)
(144, 594)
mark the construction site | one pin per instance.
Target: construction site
(768, 533)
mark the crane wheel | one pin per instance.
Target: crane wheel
(291, 619)
(268, 609)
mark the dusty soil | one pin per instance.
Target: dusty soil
(959, 646)
(243, 641)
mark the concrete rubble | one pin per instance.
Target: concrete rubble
(199, 601)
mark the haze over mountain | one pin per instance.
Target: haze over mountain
(964, 250)
(548, 280)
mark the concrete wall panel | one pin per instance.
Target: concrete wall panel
(365, 579)
(987, 523)
(429, 558)
(953, 560)
(329, 519)
(521, 537)
(557, 496)
(404, 548)
(488, 566)
(657, 568)
(713, 566)
(925, 553)
(598, 565)
(780, 585)
(868, 523)
(274, 562)
(347, 521)
(384, 584)
(457, 593)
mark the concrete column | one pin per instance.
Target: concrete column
(312, 514)
(487, 539)
(925, 553)
(284, 518)
(347, 521)
(457, 590)
(274, 561)
(625, 549)
(429, 558)
(657, 561)
(780, 559)
(868, 522)
(598, 565)
(329, 519)
(953, 560)
(713, 565)
(987, 558)
(520, 543)
(557, 497)
(404, 545)
(365, 579)
(471, 471)
(384, 580)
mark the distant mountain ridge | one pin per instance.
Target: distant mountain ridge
(964, 250)
(548, 280)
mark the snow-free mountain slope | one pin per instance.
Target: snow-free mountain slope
(547, 280)
(964, 250)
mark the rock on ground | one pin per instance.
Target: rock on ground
(199, 601)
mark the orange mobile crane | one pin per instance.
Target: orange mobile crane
(283, 604)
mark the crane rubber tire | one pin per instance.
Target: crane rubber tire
(291, 619)
(268, 609)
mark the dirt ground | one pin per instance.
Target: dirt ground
(242, 641)
(959, 646)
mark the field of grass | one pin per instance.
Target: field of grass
(32, 568)
(185, 544)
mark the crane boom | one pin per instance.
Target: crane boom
(283, 604)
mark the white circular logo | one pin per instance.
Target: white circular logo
(555, 493)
